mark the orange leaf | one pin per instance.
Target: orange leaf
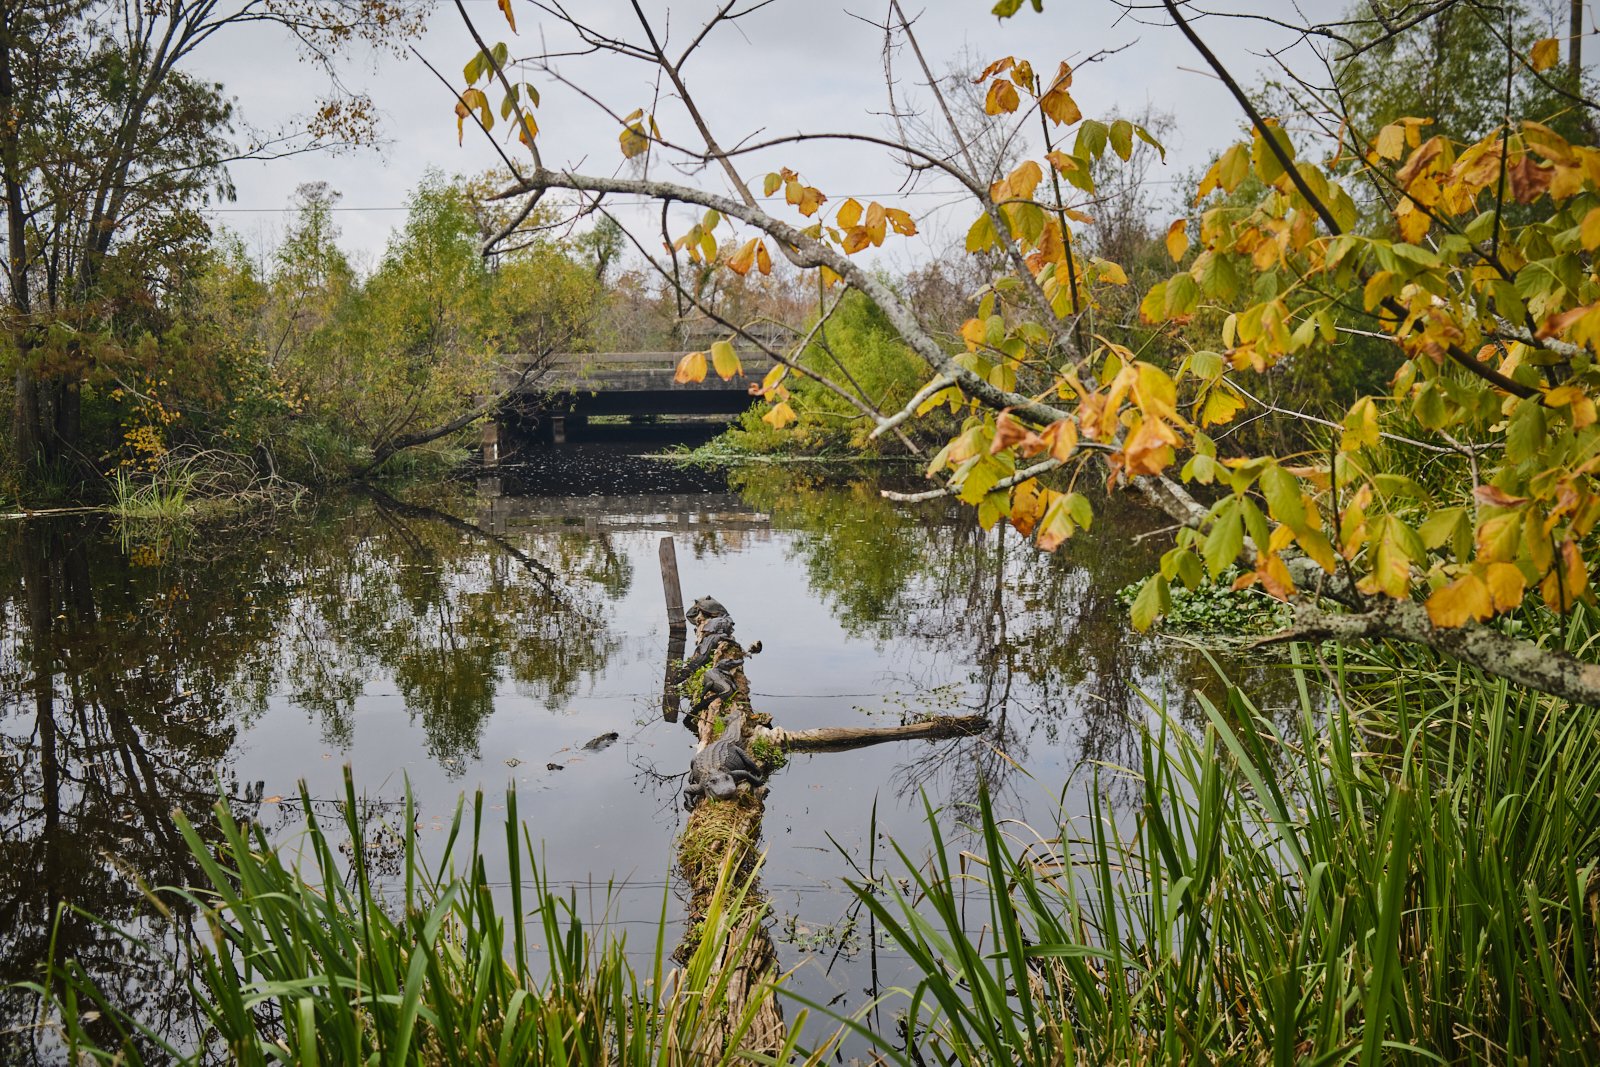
(1495, 497)
(1002, 97)
(505, 8)
(1008, 432)
(1566, 581)
(1178, 239)
(1060, 438)
(1464, 600)
(741, 261)
(901, 222)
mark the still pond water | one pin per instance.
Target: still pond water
(478, 636)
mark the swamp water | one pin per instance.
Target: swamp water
(482, 635)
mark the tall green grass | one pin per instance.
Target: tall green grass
(158, 497)
(1406, 880)
(315, 962)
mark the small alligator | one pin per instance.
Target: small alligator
(713, 633)
(704, 608)
(716, 682)
(717, 769)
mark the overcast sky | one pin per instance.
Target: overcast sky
(794, 65)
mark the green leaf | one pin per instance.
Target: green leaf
(1079, 508)
(1282, 492)
(1525, 433)
(725, 361)
(1153, 601)
(1255, 523)
(1122, 139)
(982, 236)
(1144, 135)
(1225, 540)
(1440, 526)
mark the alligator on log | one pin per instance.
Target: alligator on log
(726, 795)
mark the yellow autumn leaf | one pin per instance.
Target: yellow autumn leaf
(849, 214)
(691, 368)
(1545, 54)
(780, 416)
(1220, 407)
(633, 140)
(1059, 107)
(1589, 230)
(763, 258)
(726, 361)
(1391, 143)
(1506, 585)
(1002, 97)
(505, 9)
(1464, 600)
(1566, 581)
(1178, 239)
(1360, 426)
(901, 222)
(741, 261)
(1111, 272)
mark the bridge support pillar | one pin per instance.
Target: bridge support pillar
(490, 444)
(558, 429)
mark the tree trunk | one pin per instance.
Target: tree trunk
(1575, 44)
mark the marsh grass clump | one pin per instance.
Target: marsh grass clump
(1282, 892)
(767, 753)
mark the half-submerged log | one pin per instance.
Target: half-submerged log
(724, 834)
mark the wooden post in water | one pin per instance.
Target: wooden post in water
(490, 444)
(677, 628)
(670, 583)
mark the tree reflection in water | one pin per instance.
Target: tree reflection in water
(1054, 661)
(129, 671)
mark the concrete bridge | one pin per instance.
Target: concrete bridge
(635, 383)
(577, 385)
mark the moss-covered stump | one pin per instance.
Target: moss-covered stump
(726, 834)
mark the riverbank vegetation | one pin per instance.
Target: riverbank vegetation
(1401, 864)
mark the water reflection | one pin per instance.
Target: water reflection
(458, 639)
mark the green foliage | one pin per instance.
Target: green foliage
(1215, 607)
(856, 348)
(770, 755)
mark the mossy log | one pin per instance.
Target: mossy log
(727, 834)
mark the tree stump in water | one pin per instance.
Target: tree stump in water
(726, 834)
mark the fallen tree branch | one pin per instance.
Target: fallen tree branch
(1545, 669)
(834, 738)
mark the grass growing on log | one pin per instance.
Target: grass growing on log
(771, 756)
(717, 830)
